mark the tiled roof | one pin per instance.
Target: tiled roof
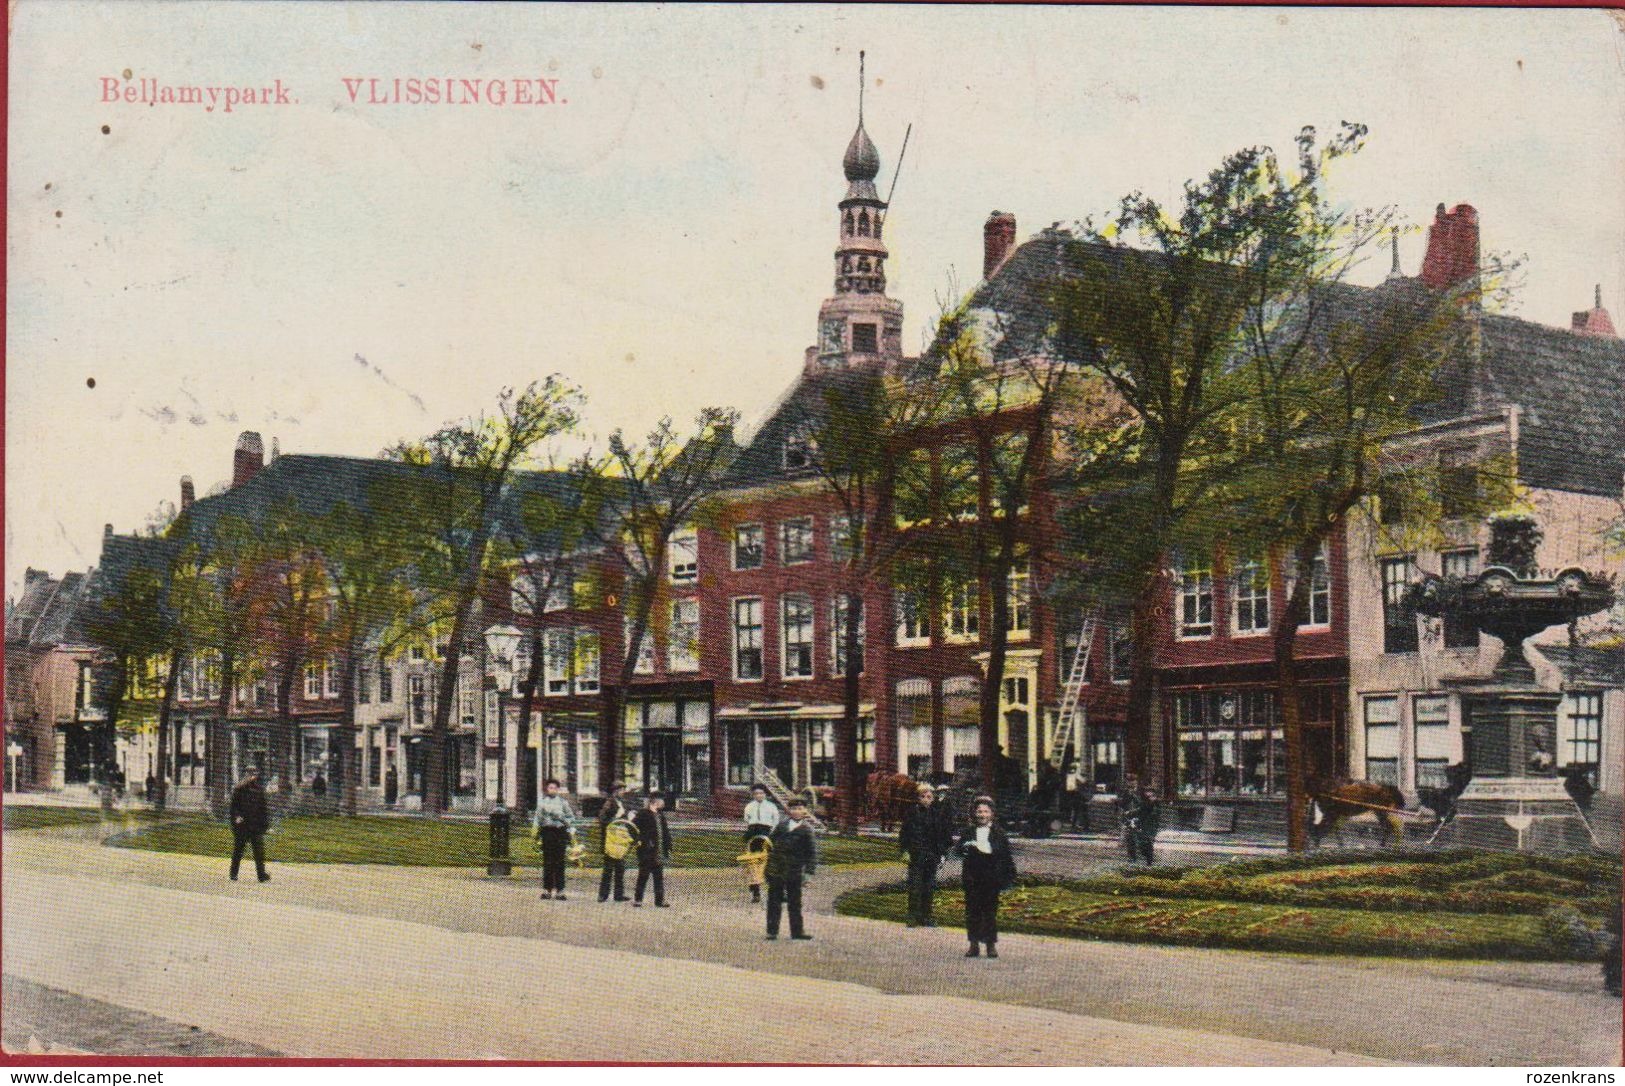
(1570, 388)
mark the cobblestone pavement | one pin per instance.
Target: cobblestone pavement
(389, 952)
(49, 1021)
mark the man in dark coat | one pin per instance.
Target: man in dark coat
(989, 870)
(250, 818)
(793, 856)
(654, 849)
(1142, 817)
(614, 809)
(926, 837)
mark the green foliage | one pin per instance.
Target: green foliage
(1514, 539)
(1458, 904)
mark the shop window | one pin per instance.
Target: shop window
(1382, 740)
(1580, 734)
(1431, 717)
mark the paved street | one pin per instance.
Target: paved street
(108, 949)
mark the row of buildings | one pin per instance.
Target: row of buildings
(747, 670)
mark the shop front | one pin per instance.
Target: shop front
(666, 740)
(795, 743)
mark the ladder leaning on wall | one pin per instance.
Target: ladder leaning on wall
(1073, 720)
(782, 795)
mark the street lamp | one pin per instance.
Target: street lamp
(502, 643)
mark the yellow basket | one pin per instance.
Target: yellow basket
(754, 860)
(620, 838)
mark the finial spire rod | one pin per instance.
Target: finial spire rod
(1599, 295)
(1393, 236)
(860, 86)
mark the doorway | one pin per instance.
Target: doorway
(663, 761)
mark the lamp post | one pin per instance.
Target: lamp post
(502, 642)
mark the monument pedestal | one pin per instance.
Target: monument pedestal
(1522, 813)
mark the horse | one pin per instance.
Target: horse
(888, 797)
(1442, 801)
(1341, 799)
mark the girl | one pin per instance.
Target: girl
(555, 822)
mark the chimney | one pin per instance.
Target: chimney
(998, 238)
(1452, 256)
(187, 493)
(248, 459)
(1595, 321)
(107, 531)
(32, 575)
(276, 449)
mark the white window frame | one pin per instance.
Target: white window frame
(962, 613)
(557, 649)
(912, 613)
(522, 594)
(683, 555)
(1430, 722)
(646, 650)
(1249, 591)
(738, 646)
(313, 681)
(837, 634)
(804, 605)
(796, 524)
(760, 533)
(1019, 593)
(840, 538)
(1390, 728)
(1320, 591)
(683, 636)
(588, 660)
(1195, 585)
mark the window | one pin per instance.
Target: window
(865, 339)
(1229, 742)
(363, 685)
(1398, 618)
(313, 680)
(683, 555)
(375, 757)
(558, 753)
(912, 627)
(522, 594)
(1459, 565)
(1431, 717)
(521, 666)
(586, 660)
(386, 680)
(911, 709)
(1250, 591)
(335, 676)
(841, 539)
(748, 547)
(1020, 598)
(799, 448)
(587, 759)
(560, 593)
(467, 694)
(1120, 653)
(837, 630)
(797, 613)
(796, 541)
(493, 719)
(646, 650)
(962, 612)
(866, 745)
(1320, 590)
(1382, 740)
(556, 649)
(821, 752)
(1580, 734)
(961, 498)
(418, 708)
(417, 652)
(1196, 602)
(748, 639)
(683, 637)
(741, 755)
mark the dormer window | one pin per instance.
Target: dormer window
(798, 449)
(865, 339)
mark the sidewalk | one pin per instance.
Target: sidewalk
(386, 926)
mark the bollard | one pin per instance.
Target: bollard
(499, 866)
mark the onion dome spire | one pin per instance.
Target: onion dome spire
(862, 161)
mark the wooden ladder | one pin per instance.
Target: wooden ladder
(782, 795)
(1066, 725)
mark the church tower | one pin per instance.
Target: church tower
(859, 326)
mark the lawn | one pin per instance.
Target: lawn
(27, 817)
(1445, 905)
(415, 842)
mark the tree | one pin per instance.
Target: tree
(1159, 304)
(1006, 392)
(369, 576)
(447, 517)
(854, 427)
(636, 498)
(130, 618)
(1338, 376)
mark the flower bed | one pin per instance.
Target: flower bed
(1448, 905)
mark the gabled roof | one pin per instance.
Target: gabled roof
(50, 611)
(1570, 388)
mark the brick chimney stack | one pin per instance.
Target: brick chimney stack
(998, 238)
(188, 495)
(1452, 256)
(1594, 321)
(248, 459)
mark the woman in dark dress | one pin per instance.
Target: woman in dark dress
(989, 869)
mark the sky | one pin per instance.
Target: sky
(339, 276)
